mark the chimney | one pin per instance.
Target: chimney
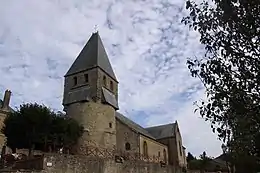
(6, 100)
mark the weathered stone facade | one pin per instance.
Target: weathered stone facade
(98, 121)
(76, 164)
(177, 154)
(180, 150)
(126, 135)
(154, 148)
(107, 84)
(91, 97)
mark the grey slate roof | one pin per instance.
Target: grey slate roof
(92, 55)
(110, 98)
(133, 125)
(77, 95)
(162, 131)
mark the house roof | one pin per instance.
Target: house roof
(133, 125)
(92, 55)
(162, 131)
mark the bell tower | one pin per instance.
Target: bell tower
(91, 95)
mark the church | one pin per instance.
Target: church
(91, 97)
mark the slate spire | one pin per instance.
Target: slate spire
(92, 55)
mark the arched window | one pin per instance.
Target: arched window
(127, 146)
(104, 81)
(145, 149)
(164, 155)
(75, 81)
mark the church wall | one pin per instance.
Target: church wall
(100, 83)
(92, 75)
(79, 164)
(177, 155)
(179, 148)
(96, 119)
(123, 135)
(185, 158)
(172, 153)
(154, 148)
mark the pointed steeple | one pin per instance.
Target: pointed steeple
(92, 55)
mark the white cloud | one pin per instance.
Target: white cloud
(146, 43)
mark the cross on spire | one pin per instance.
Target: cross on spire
(95, 29)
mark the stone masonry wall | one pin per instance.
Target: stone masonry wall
(155, 149)
(81, 83)
(123, 135)
(172, 152)
(100, 84)
(181, 154)
(81, 164)
(95, 118)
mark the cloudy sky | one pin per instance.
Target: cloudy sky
(147, 46)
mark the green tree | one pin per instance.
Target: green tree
(37, 126)
(194, 164)
(190, 157)
(14, 132)
(204, 161)
(229, 70)
(27, 126)
(64, 132)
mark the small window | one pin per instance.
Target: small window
(75, 80)
(110, 125)
(145, 149)
(111, 86)
(164, 155)
(159, 154)
(86, 78)
(104, 81)
(127, 146)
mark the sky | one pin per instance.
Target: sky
(147, 45)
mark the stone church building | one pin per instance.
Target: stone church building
(91, 97)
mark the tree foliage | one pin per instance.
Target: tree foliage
(230, 69)
(36, 126)
(190, 157)
(202, 163)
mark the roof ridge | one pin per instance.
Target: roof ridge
(160, 125)
(138, 127)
